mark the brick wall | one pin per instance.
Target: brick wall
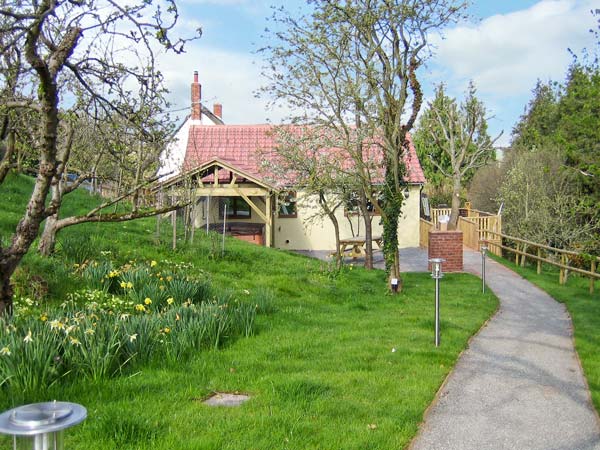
(447, 245)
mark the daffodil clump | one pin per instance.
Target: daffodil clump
(95, 335)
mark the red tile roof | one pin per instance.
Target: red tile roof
(245, 146)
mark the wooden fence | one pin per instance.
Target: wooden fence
(424, 228)
(476, 226)
(549, 255)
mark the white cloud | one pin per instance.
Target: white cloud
(227, 77)
(505, 54)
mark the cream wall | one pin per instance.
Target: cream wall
(306, 232)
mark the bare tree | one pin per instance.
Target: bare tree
(97, 47)
(460, 132)
(353, 65)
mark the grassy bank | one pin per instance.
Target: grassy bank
(333, 361)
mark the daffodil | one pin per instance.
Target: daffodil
(169, 278)
(28, 338)
(123, 284)
(170, 300)
(43, 317)
(147, 301)
(133, 337)
(140, 307)
(129, 285)
(74, 341)
(167, 330)
(89, 331)
(5, 351)
(153, 263)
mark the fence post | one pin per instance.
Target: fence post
(592, 279)
(517, 255)
(539, 262)
(562, 276)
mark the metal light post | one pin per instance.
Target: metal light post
(40, 426)
(484, 250)
(436, 274)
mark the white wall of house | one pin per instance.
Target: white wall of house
(307, 232)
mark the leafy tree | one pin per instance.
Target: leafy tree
(541, 202)
(537, 126)
(71, 52)
(459, 137)
(354, 64)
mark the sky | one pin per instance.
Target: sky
(504, 47)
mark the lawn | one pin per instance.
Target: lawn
(584, 309)
(333, 360)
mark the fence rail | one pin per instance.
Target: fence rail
(545, 253)
(476, 226)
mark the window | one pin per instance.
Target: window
(287, 204)
(237, 208)
(352, 204)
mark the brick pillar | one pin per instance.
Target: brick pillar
(196, 97)
(447, 245)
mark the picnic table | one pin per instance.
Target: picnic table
(357, 244)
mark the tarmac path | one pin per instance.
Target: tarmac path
(519, 385)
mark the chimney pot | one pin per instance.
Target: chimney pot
(218, 110)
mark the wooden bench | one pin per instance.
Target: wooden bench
(357, 245)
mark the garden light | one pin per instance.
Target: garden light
(436, 274)
(40, 426)
(484, 250)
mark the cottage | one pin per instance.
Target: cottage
(231, 184)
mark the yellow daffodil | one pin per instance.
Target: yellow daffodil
(89, 331)
(170, 301)
(167, 330)
(74, 341)
(153, 263)
(140, 307)
(133, 337)
(169, 278)
(123, 284)
(147, 301)
(5, 351)
(43, 317)
(129, 285)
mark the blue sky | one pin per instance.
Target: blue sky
(504, 48)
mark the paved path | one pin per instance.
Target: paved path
(519, 385)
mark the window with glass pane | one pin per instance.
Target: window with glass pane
(287, 204)
(237, 208)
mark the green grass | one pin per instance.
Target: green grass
(321, 369)
(584, 309)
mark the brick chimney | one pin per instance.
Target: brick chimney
(196, 97)
(218, 110)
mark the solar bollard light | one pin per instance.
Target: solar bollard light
(40, 426)
(484, 250)
(436, 274)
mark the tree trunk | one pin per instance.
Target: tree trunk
(336, 228)
(47, 242)
(456, 186)
(368, 232)
(6, 291)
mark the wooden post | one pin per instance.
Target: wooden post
(193, 222)
(562, 279)
(517, 255)
(592, 279)
(268, 222)
(174, 223)
(539, 262)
